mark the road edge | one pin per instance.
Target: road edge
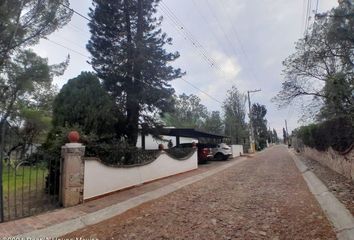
(89, 219)
(340, 217)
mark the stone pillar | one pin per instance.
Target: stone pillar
(72, 174)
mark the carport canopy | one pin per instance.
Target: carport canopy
(203, 137)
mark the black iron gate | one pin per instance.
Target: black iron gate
(29, 178)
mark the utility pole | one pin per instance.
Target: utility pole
(252, 138)
(287, 133)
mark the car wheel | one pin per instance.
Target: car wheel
(219, 156)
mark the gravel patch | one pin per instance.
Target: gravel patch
(264, 197)
(340, 186)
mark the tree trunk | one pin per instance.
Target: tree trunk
(132, 119)
(132, 100)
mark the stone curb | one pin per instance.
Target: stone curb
(340, 217)
(69, 226)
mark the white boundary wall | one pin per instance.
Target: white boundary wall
(100, 179)
(237, 150)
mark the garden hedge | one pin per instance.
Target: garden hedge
(337, 133)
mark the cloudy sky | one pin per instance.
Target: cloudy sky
(247, 40)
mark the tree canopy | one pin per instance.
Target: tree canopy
(188, 112)
(26, 78)
(128, 53)
(323, 65)
(214, 123)
(235, 113)
(83, 102)
(259, 123)
(24, 23)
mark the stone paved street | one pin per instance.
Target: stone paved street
(264, 197)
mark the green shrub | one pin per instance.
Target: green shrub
(337, 133)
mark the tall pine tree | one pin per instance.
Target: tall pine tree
(127, 48)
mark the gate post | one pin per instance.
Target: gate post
(72, 174)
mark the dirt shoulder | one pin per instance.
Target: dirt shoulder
(339, 185)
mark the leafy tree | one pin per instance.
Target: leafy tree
(24, 23)
(127, 48)
(322, 66)
(275, 136)
(235, 112)
(270, 136)
(338, 101)
(259, 123)
(285, 136)
(26, 77)
(188, 112)
(26, 98)
(83, 102)
(213, 123)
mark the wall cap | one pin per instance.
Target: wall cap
(73, 145)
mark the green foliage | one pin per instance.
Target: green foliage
(23, 80)
(273, 136)
(337, 133)
(259, 123)
(23, 177)
(285, 136)
(24, 23)
(214, 123)
(235, 112)
(188, 113)
(128, 53)
(322, 66)
(36, 125)
(339, 99)
(83, 102)
(120, 154)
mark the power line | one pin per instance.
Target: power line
(70, 41)
(317, 6)
(63, 46)
(77, 13)
(205, 93)
(206, 21)
(140, 80)
(307, 15)
(189, 36)
(233, 28)
(221, 28)
(303, 22)
(75, 28)
(183, 29)
(186, 36)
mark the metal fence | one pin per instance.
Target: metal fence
(29, 179)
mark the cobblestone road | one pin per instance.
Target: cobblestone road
(264, 197)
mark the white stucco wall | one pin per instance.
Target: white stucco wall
(237, 150)
(153, 144)
(100, 179)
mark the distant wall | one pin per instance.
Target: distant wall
(101, 179)
(237, 150)
(341, 163)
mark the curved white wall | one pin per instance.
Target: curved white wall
(100, 179)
